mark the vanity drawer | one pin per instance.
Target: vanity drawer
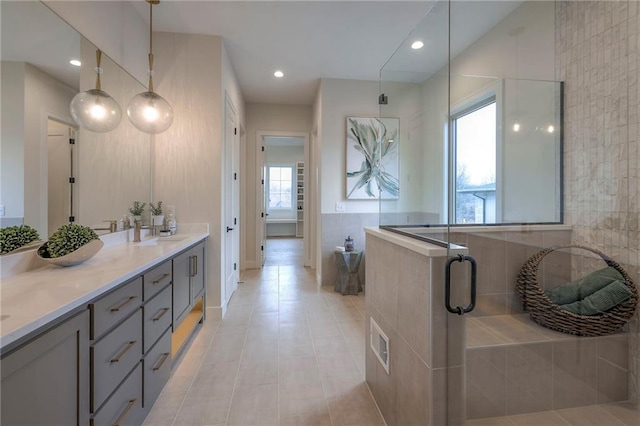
(157, 369)
(113, 357)
(125, 406)
(156, 279)
(157, 317)
(115, 306)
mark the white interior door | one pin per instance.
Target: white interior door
(231, 223)
(263, 204)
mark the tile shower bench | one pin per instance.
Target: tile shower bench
(496, 356)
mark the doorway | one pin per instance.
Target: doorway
(283, 224)
(61, 157)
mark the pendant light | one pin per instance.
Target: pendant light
(94, 109)
(148, 111)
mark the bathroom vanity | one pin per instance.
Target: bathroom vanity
(94, 343)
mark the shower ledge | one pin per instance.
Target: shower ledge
(503, 330)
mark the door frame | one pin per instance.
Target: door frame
(308, 244)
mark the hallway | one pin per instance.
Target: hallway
(283, 251)
(288, 352)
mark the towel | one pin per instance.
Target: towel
(601, 300)
(577, 290)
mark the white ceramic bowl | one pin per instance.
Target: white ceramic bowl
(76, 257)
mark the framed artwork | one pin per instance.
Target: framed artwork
(372, 158)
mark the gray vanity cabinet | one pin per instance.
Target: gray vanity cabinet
(181, 276)
(188, 281)
(51, 373)
(197, 273)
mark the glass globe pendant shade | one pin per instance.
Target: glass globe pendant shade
(150, 112)
(95, 110)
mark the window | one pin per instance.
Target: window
(474, 138)
(280, 184)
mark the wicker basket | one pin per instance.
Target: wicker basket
(546, 313)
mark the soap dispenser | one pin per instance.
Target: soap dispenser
(171, 219)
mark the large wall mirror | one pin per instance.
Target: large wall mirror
(109, 170)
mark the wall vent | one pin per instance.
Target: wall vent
(379, 344)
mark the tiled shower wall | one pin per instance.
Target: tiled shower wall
(597, 58)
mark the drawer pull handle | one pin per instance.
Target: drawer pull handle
(124, 351)
(164, 358)
(125, 412)
(160, 279)
(161, 314)
(123, 304)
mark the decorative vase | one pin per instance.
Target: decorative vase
(76, 257)
(348, 244)
(157, 220)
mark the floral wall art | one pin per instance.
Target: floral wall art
(372, 158)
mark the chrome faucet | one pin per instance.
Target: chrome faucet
(136, 230)
(113, 226)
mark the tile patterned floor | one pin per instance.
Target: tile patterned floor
(288, 352)
(284, 251)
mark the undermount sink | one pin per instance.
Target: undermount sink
(159, 240)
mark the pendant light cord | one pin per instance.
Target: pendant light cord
(150, 46)
(98, 69)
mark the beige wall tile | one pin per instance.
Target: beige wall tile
(612, 383)
(574, 365)
(448, 408)
(486, 382)
(529, 378)
(414, 385)
(614, 349)
(414, 303)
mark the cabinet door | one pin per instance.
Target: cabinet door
(197, 271)
(46, 381)
(181, 295)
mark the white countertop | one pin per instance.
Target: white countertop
(32, 299)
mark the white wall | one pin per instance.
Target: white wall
(264, 118)
(12, 139)
(44, 97)
(114, 168)
(189, 160)
(342, 99)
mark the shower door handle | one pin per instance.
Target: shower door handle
(447, 285)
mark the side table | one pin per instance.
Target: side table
(348, 262)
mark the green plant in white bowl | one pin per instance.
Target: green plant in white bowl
(67, 239)
(136, 210)
(15, 237)
(157, 218)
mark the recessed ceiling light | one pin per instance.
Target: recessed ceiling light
(75, 62)
(417, 44)
(278, 74)
(550, 129)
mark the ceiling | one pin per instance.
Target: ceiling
(307, 40)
